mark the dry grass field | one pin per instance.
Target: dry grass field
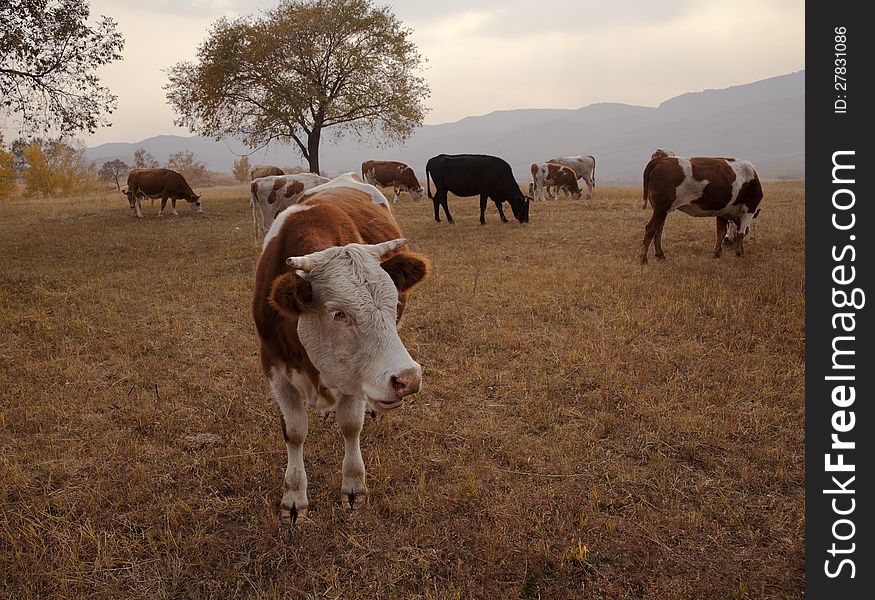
(588, 427)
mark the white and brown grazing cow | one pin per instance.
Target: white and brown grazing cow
(583, 166)
(559, 177)
(330, 287)
(270, 195)
(700, 186)
(264, 171)
(390, 173)
(159, 183)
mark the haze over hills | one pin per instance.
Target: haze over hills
(762, 122)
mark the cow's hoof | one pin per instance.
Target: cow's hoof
(354, 500)
(660, 257)
(643, 260)
(716, 255)
(483, 222)
(739, 254)
(290, 516)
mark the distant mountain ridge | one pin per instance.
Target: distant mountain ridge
(762, 122)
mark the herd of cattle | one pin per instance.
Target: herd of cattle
(334, 273)
(724, 188)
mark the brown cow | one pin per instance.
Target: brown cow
(386, 173)
(559, 176)
(264, 171)
(160, 183)
(330, 286)
(700, 186)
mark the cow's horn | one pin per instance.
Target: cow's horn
(306, 263)
(382, 248)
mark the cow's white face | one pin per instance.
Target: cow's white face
(745, 222)
(416, 194)
(195, 205)
(346, 302)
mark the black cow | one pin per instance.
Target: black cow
(475, 175)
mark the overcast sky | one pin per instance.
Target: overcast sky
(486, 55)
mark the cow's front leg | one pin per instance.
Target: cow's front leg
(722, 224)
(173, 204)
(137, 209)
(739, 244)
(350, 416)
(163, 204)
(501, 212)
(294, 420)
(396, 196)
(483, 199)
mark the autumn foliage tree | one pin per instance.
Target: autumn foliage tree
(49, 56)
(290, 73)
(7, 172)
(241, 169)
(55, 168)
(144, 160)
(194, 171)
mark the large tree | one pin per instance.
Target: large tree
(294, 71)
(49, 55)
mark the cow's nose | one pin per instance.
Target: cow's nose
(407, 381)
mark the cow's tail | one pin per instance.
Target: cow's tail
(428, 182)
(647, 170)
(593, 170)
(253, 202)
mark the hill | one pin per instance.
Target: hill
(762, 122)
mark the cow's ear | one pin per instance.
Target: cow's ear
(290, 294)
(407, 269)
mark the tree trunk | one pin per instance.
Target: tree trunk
(313, 149)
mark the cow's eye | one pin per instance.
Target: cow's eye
(338, 315)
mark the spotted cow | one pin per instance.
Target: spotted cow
(559, 177)
(583, 167)
(725, 188)
(270, 195)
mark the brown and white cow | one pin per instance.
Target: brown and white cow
(561, 178)
(700, 186)
(264, 171)
(270, 195)
(583, 166)
(390, 173)
(330, 287)
(160, 183)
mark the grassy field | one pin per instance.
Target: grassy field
(588, 427)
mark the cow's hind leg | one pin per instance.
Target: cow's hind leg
(653, 225)
(350, 416)
(294, 420)
(590, 184)
(722, 224)
(440, 199)
(657, 241)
